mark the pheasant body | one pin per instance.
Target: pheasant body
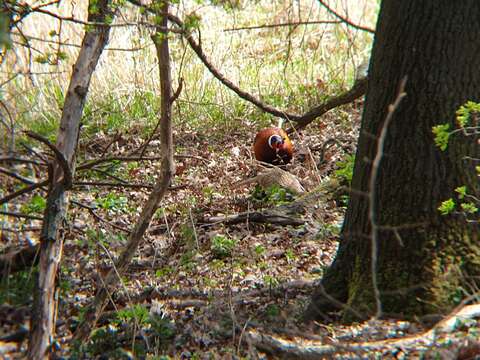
(273, 146)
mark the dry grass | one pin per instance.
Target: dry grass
(290, 67)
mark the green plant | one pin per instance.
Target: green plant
(164, 271)
(270, 281)
(442, 134)
(260, 250)
(163, 328)
(290, 255)
(345, 168)
(188, 235)
(112, 202)
(137, 313)
(467, 120)
(187, 261)
(222, 246)
(36, 205)
(272, 311)
(273, 195)
(17, 288)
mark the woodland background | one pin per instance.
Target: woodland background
(201, 283)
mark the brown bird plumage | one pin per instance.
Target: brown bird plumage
(273, 146)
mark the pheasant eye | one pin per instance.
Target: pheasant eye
(275, 139)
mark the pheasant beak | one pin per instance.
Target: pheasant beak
(278, 146)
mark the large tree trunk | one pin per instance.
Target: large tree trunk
(423, 258)
(51, 239)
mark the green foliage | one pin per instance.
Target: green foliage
(112, 202)
(222, 246)
(187, 261)
(462, 191)
(163, 328)
(270, 281)
(290, 255)
(17, 288)
(466, 113)
(36, 205)
(447, 206)
(95, 237)
(442, 134)
(112, 113)
(272, 195)
(260, 250)
(137, 313)
(51, 58)
(164, 271)
(469, 207)
(192, 21)
(188, 235)
(272, 311)
(345, 168)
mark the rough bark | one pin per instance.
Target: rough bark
(51, 239)
(111, 280)
(423, 258)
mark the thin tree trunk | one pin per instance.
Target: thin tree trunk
(168, 169)
(44, 310)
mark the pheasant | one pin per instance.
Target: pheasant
(272, 145)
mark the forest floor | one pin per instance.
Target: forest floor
(195, 289)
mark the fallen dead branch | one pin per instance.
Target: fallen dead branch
(265, 216)
(313, 349)
(284, 214)
(239, 297)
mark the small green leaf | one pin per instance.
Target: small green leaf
(462, 191)
(464, 113)
(442, 135)
(447, 207)
(469, 208)
(192, 21)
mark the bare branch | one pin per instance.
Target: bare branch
(14, 175)
(345, 20)
(62, 161)
(92, 211)
(25, 190)
(20, 215)
(297, 23)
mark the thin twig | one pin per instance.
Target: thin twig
(112, 184)
(297, 23)
(21, 160)
(372, 210)
(345, 20)
(14, 175)
(20, 215)
(25, 190)
(92, 211)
